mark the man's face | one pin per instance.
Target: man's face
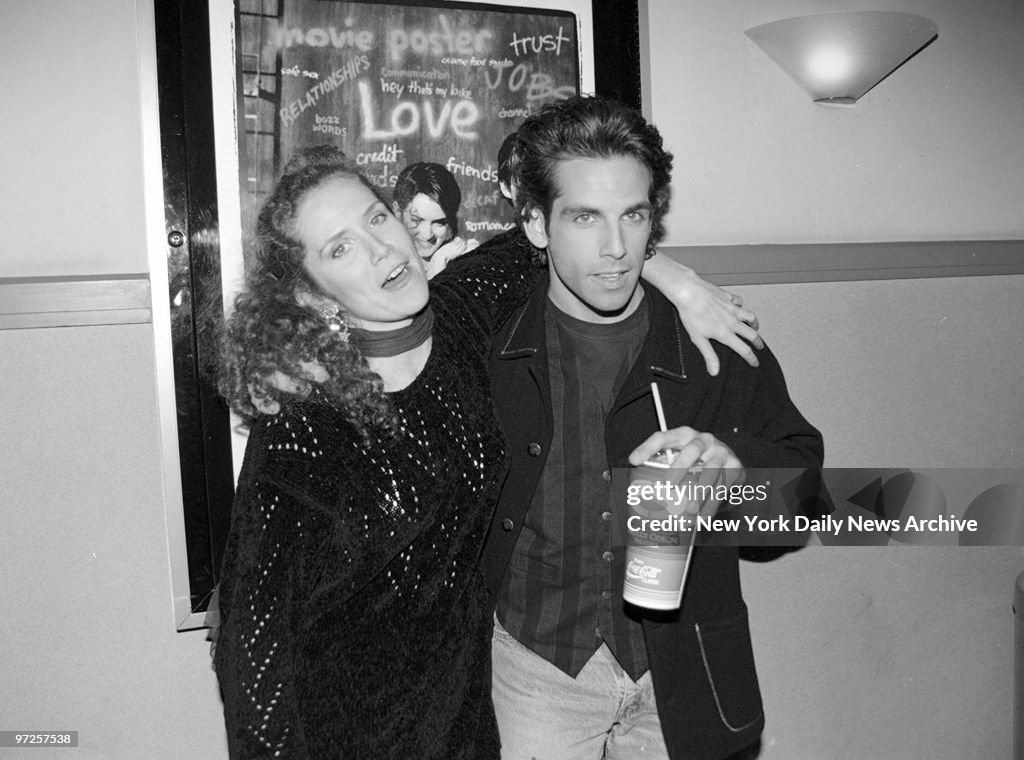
(596, 237)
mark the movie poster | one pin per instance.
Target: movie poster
(395, 84)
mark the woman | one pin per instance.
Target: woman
(427, 198)
(354, 621)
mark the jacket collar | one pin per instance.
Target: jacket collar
(525, 335)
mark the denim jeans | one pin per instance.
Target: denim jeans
(545, 714)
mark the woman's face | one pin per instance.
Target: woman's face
(358, 253)
(427, 223)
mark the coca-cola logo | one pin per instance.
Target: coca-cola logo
(638, 570)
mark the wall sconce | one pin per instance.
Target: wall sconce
(837, 57)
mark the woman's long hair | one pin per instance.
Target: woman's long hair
(272, 329)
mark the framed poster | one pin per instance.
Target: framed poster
(395, 84)
(242, 84)
(391, 83)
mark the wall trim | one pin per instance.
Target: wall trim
(74, 301)
(837, 262)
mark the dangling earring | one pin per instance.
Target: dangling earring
(330, 312)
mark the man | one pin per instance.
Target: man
(577, 673)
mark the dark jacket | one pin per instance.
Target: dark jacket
(700, 656)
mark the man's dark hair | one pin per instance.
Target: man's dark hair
(504, 159)
(586, 127)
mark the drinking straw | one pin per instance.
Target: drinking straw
(693, 532)
(658, 408)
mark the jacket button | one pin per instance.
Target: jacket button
(534, 449)
(607, 556)
(607, 475)
(507, 525)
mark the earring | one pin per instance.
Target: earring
(330, 312)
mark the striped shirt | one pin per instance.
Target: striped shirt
(560, 596)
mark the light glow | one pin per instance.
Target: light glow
(829, 65)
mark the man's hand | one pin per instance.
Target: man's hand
(711, 461)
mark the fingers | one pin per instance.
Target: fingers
(675, 438)
(702, 451)
(736, 300)
(744, 350)
(690, 446)
(720, 472)
(754, 338)
(737, 335)
(693, 449)
(708, 352)
(746, 315)
(748, 327)
(701, 460)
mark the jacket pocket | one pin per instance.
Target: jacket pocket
(728, 661)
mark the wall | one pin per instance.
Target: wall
(929, 154)
(70, 73)
(894, 653)
(88, 640)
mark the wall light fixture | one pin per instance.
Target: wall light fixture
(837, 57)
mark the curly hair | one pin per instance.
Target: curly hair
(435, 182)
(586, 126)
(273, 328)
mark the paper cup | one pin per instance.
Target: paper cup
(659, 541)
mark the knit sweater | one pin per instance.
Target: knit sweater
(355, 623)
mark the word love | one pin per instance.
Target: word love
(408, 118)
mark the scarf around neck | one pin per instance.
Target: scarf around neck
(375, 344)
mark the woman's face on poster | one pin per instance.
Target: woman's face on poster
(427, 223)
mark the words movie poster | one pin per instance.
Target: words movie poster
(397, 84)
